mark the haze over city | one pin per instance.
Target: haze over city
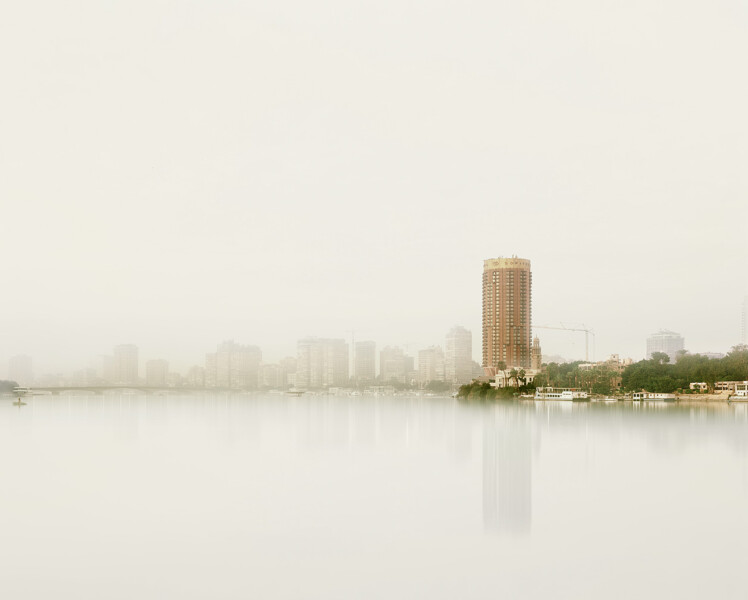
(174, 175)
(374, 299)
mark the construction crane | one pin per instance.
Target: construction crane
(583, 328)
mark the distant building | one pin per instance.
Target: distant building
(196, 377)
(234, 366)
(612, 367)
(507, 306)
(395, 365)
(271, 376)
(712, 354)
(665, 341)
(364, 367)
(288, 371)
(156, 372)
(104, 366)
(458, 356)
(431, 364)
(536, 355)
(321, 363)
(84, 377)
(20, 370)
(125, 366)
(477, 370)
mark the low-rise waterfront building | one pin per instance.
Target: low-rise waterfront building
(504, 378)
(727, 386)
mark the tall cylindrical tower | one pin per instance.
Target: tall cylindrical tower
(507, 318)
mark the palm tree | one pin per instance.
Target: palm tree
(514, 374)
(501, 366)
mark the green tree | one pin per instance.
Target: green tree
(514, 376)
(501, 366)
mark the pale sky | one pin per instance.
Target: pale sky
(173, 174)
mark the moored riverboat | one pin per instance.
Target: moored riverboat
(551, 393)
(653, 397)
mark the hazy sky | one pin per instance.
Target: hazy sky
(173, 174)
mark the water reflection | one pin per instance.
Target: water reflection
(423, 430)
(507, 471)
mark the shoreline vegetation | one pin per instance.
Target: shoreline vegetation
(655, 375)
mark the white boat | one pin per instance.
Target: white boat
(19, 391)
(550, 393)
(652, 397)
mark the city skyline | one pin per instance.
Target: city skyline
(330, 201)
(299, 295)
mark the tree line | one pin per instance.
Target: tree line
(656, 374)
(659, 375)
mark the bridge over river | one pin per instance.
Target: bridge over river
(143, 389)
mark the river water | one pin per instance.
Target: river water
(362, 497)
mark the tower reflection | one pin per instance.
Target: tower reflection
(507, 471)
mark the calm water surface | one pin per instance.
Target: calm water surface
(336, 497)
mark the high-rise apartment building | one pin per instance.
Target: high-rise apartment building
(196, 377)
(271, 376)
(20, 370)
(104, 366)
(365, 368)
(665, 341)
(458, 356)
(431, 364)
(233, 366)
(288, 371)
(321, 363)
(156, 372)
(125, 364)
(507, 313)
(395, 365)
